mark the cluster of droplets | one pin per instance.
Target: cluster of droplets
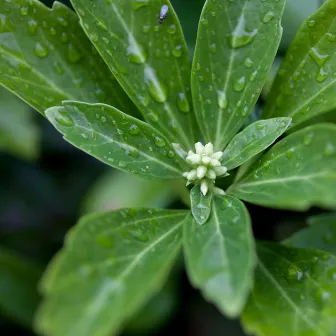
(206, 167)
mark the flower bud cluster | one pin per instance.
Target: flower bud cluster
(206, 167)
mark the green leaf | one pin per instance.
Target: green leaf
(296, 173)
(236, 45)
(200, 205)
(19, 135)
(18, 287)
(252, 140)
(321, 234)
(111, 265)
(220, 256)
(294, 293)
(306, 82)
(117, 189)
(115, 138)
(46, 58)
(150, 60)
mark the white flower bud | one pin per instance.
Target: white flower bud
(204, 187)
(218, 191)
(211, 174)
(201, 171)
(194, 159)
(190, 152)
(185, 174)
(192, 175)
(215, 163)
(206, 159)
(208, 148)
(220, 170)
(217, 155)
(199, 148)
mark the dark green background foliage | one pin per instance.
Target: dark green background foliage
(48, 184)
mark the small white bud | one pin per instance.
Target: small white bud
(185, 174)
(217, 155)
(194, 159)
(208, 148)
(199, 148)
(211, 174)
(191, 153)
(201, 171)
(192, 175)
(220, 170)
(218, 191)
(206, 159)
(215, 163)
(204, 187)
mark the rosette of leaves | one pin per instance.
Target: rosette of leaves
(90, 71)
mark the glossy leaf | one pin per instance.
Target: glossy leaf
(18, 287)
(220, 255)
(306, 82)
(252, 140)
(118, 140)
(294, 293)
(19, 135)
(321, 234)
(118, 189)
(296, 173)
(149, 59)
(46, 58)
(236, 45)
(200, 205)
(112, 263)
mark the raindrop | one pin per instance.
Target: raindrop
(331, 37)
(32, 26)
(253, 75)
(41, 50)
(58, 68)
(159, 141)
(62, 21)
(321, 75)
(134, 129)
(73, 54)
(64, 37)
(84, 136)
(290, 153)
(248, 62)
(135, 52)
(182, 103)
(102, 25)
(204, 21)
(213, 48)
(311, 23)
(240, 37)
(145, 29)
(53, 31)
(239, 84)
(139, 235)
(260, 126)
(103, 119)
(222, 100)
(268, 16)
(24, 10)
(157, 90)
(64, 118)
(329, 149)
(307, 139)
(171, 29)
(122, 164)
(319, 58)
(177, 51)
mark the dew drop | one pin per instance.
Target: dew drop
(72, 54)
(41, 50)
(145, 29)
(23, 10)
(248, 62)
(307, 139)
(268, 16)
(58, 68)
(182, 103)
(101, 25)
(64, 118)
(171, 29)
(177, 51)
(84, 136)
(290, 153)
(260, 126)
(53, 31)
(159, 141)
(319, 58)
(134, 129)
(329, 149)
(239, 84)
(204, 21)
(321, 75)
(213, 48)
(240, 37)
(32, 26)
(253, 75)
(331, 37)
(311, 23)
(103, 119)
(62, 21)
(222, 100)
(135, 52)
(122, 164)
(157, 90)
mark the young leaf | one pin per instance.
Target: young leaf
(46, 58)
(296, 173)
(252, 140)
(19, 134)
(220, 255)
(149, 59)
(236, 45)
(200, 205)
(294, 293)
(111, 265)
(321, 235)
(115, 138)
(18, 287)
(306, 82)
